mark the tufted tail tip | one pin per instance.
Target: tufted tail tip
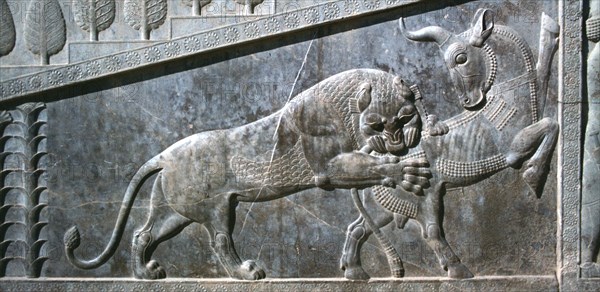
(72, 238)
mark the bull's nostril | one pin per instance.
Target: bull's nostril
(466, 100)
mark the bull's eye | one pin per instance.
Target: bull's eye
(461, 58)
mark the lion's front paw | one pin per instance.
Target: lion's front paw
(415, 176)
(249, 270)
(388, 182)
(388, 159)
(152, 271)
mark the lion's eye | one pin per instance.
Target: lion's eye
(461, 58)
(407, 110)
(404, 119)
(374, 121)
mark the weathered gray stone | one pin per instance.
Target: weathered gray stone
(590, 211)
(279, 100)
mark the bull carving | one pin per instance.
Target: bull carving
(496, 130)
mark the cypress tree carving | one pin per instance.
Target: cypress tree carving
(145, 15)
(249, 5)
(94, 16)
(45, 31)
(23, 145)
(196, 5)
(7, 29)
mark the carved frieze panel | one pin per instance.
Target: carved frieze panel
(308, 145)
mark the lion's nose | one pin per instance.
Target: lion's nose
(392, 125)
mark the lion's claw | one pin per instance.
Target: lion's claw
(152, 271)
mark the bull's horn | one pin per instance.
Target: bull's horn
(427, 34)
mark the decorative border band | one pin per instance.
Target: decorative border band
(569, 145)
(492, 283)
(218, 38)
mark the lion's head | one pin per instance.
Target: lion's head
(389, 122)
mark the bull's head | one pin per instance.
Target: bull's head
(391, 123)
(470, 62)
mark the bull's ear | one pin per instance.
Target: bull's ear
(362, 100)
(482, 27)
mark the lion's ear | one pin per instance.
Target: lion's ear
(362, 100)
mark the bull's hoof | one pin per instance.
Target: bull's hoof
(459, 271)
(535, 178)
(248, 270)
(356, 274)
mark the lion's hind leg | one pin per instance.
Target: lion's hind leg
(357, 234)
(163, 223)
(220, 228)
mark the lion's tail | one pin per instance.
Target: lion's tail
(72, 237)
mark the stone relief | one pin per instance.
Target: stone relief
(312, 142)
(148, 16)
(23, 188)
(492, 131)
(7, 34)
(94, 16)
(145, 15)
(316, 138)
(45, 30)
(590, 212)
(249, 5)
(196, 5)
(393, 148)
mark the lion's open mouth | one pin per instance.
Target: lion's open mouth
(396, 149)
(388, 143)
(395, 138)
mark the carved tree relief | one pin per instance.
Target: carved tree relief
(23, 187)
(145, 15)
(94, 16)
(45, 30)
(249, 5)
(7, 29)
(196, 5)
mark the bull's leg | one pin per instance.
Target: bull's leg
(535, 142)
(163, 223)
(220, 228)
(430, 219)
(357, 234)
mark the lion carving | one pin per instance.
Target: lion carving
(313, 141)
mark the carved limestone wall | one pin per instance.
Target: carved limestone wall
(590, 211)
(185, 145)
